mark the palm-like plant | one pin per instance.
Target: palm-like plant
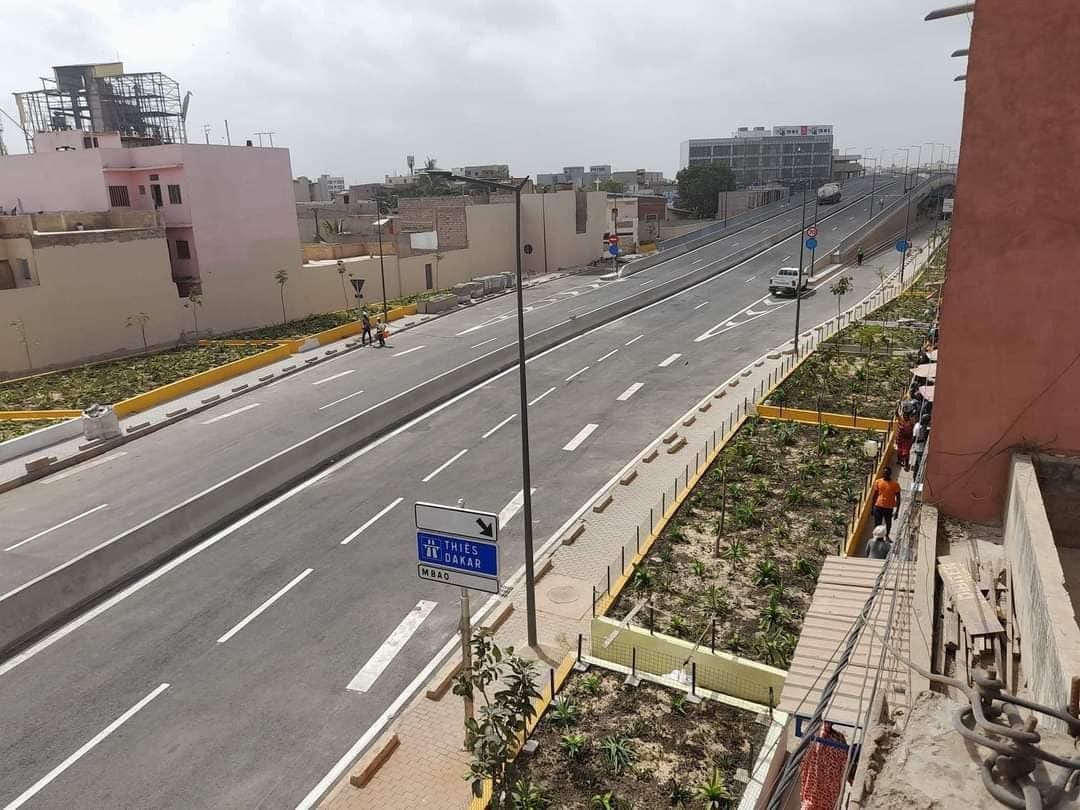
(805, 568)
(564, 712)
(716, 600)
(604, 801)
(619, 753)
(678, 626)
(573, 745)
(591, 684)
(735, 552)
(775, 647)
(282, 278)
(714, 792)
(766, 572)
(139, 319)
(679, 795)
(643, 579)
(773, 616)
(699, 569)
(527, 796)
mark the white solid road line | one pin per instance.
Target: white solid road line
(667, 361)
(367, 524)
(629, 392)
(342, 399)
(513, 507)
(503, 422)
(484, 343)
(340, 374)
(533, 402)
(227, 414)
(650, 281)
(634, 340)
(702, 304)
(606, 356)
(97, 462)
(255, 613)
(444, 465)
(408, 351)
(581, 436)
(367, 676)
(43, 782)
(750, 279)
(579, 371)
(57, 526)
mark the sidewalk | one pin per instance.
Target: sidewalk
(426, 769)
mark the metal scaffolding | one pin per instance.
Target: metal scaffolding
(145, 108)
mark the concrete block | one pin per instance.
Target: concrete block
(374, 759)
(140, 426)
(773, 355)
(501, 614)
(88, 445)
(444, 680)
(679, 445)
(688, 421)
(571, 537)
(171, 414)
(331, 351)
(704, 406)
(210, 399)
(545, 567)
(39, 464)
(312, 360)
(237, 388)
(719, 392)
(733, 382)
(670, 437)
(746, 372)
(287, 368)
(627, 479)
(759, 363)
(603, 503)
(266, 377)
(651, 455)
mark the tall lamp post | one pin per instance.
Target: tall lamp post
(526, 473)
(382, 267)
(873, 183)
(798, 280)
(907, 215)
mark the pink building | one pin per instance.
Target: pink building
(229, 210)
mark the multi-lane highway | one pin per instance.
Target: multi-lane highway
(223, 679)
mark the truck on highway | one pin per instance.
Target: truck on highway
(787, 280)
(828, 194)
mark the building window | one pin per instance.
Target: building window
(118, 197)
(24, 269)
(142, 191)
(428, 277)
(183, 251)
(153, 177)
(95, 143)
(174, 194)
(86, 141)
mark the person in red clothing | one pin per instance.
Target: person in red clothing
(905, 435)
(886, 495)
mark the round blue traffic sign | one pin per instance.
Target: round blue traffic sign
(613, 250)
(811, 243)
(902, 245)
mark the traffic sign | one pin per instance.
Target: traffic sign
(902, 245)
(613, 239)
(453, 553)
(477, 583)
(458, 521)
(527, 249)
(947, 205)
(811, 231)
(358, 286)
(811, 243)
(613, 249)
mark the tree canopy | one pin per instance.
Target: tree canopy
(700, 187)
(611, 185)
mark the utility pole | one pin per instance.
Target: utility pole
(466, 649)
(382, 267)
(228, 140)
(206, 133)
(798, 281)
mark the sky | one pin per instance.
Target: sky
(351, 88)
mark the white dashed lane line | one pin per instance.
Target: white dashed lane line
(408, 351)
(581, 436)
(444, 465)
(503, 422)
(579, 371)
(228, 414)
(255, 613)
(634, 340)
(702, 304)
(340, 400)
(533, 402)
(629, 392)
(606, 356)
(370, 521)
(333, 377)
(667, 361)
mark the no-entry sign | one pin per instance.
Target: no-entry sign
(811, 232)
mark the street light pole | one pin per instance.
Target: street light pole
(382, 266)
(907, 217)
(798, 281)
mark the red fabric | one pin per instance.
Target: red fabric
(822, 775)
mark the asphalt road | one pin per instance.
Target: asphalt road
(221, 680)
(52, 520)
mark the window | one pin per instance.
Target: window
(153, 177)
(174, 194)
(183, 250)
(95, 143)
(155, 192)
(24, 269)
(428, 278)
(86, 141)
(142, 191)
(118, 197)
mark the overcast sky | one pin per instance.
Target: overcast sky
(352, 87)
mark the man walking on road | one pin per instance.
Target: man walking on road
(886, 495)
(365, 337)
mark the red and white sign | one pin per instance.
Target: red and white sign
(613, 239)
(811, 231)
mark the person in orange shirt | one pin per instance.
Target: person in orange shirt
(886, 495)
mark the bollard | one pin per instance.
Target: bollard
(663, 503)
(693, 679)
(697, 461)
(771, 701)
(652, 523)
(551, 681)
(594, 601)
(712, 642)
(633, 661)
(622, 551)
(637, 538)
(652, 620)
(579, 637)
(609, 579)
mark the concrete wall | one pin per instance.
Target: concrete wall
(85, 293)
(1049, 636)
(53, 181)
(1009, 329)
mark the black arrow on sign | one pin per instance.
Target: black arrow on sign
(485, 528)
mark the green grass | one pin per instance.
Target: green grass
(11, 429)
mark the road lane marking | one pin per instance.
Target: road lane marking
(255, 613)
(579, 309)
(629, 392)
(634, 340)
(76, 470)
(650, 281)
(227, 414)
(503, 422)
(785, 258)
(513, 507)
(697, 261)
(702, 304)
(44, 781)
(444, 465)
(340, 374)
(57, 526)
(367, 524)
(579, 371)
(667, 361)
(366, 677)
(750, 279)
(342, 399)
(606, 356)
(533, 402)
(581, 436)
(484, 343)
(408, 351)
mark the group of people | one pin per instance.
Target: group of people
(913, 431)
(381, 332)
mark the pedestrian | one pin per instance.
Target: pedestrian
(921, 434)
(879, 546)
(858, 258)
(365, 337)
(905, 435)
(380, 333)
(886, 495)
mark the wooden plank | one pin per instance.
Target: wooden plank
(976, 613)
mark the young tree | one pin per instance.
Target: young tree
(700, 187)
(194, 301)
(20, 328)
(840, 288)
(139, 319)
(491, 738)
(282, 278)
(611, 185)
(341, 270)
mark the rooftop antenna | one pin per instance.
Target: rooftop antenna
(269, 134)
(411, 161)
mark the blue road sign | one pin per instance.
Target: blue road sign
(613, 250)
(902, 245)
(811, 243)
(455, 554)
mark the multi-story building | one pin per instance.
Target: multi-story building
(789, 154)
(491, 171)
(332, 184)
(576, 176)
(639, 180)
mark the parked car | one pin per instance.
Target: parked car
(786, 280)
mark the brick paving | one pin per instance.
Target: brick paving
(427, 769)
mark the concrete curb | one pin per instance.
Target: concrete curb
(376, 757)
